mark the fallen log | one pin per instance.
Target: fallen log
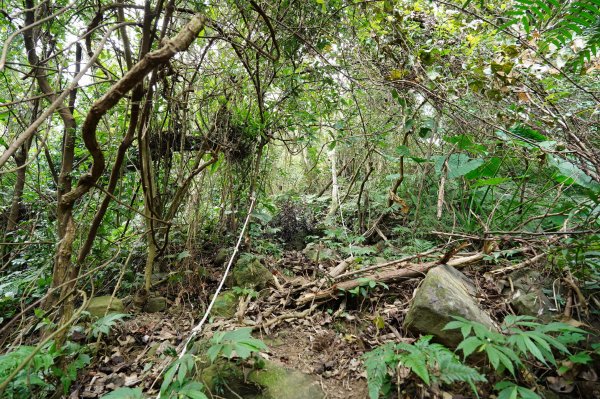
(341, 267)
(408, 271)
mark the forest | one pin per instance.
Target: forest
(299, 199)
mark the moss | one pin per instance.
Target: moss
(250, 273)
(225, 305)
(271, 382)
(98, 305)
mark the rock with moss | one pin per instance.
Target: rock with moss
(98, 306)
(525, 294)
(249, 272)
(155, 304)
(222, 256)
(318, 252)
(445, 292)
(272, 381)
(225, 305)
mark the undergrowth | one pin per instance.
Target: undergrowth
(509, 354)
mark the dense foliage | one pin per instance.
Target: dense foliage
(135, 136)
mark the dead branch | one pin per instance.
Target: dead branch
(341, 267)
(408, 271)
(518, 265)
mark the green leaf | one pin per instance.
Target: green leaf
(494, 181)
(573, 173)
(469, 345)
(169, 376)
(192, 390)
(581, 358)
(533, 349)
(213, 352)
(376, 367)
(417, 365)
(493, 355)
(125, 393)
(460, 164)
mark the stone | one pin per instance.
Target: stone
(249, 272)
(98, 305)
(318, 252)
(155, 304)
(270, 382)
(221, 257)
(525, 295)
(445, 292)
(225, 305)
(281, 383)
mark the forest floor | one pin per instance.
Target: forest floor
(325, 341)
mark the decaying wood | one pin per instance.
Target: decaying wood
(408, 271)
(396, 262)
(518, 266)
(341, 267)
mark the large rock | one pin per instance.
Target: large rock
(445, 292)
(99, 304)
(249, 272)
(271, 382)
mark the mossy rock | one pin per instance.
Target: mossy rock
(98, 305)
(445, 292)
(526, 296)
(225, 305)
(249, 272)
(281, 383)
(318, 252)
(270, 382)
(222, 256)
(155, 304)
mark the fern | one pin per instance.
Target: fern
(431, 362)
(522, 338)
(559, 21)
(376, 363)
(104, 324)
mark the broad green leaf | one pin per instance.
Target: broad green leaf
(125, 393)
(494, 181)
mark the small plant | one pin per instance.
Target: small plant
(510, 390)
(522, 338)
(177, 384)
(242, 291)
(365, 286)
(432, 363)
(41, 375)
(237, 343)
(104, 324)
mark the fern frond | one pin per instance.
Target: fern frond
(559, 23)
(452, 370)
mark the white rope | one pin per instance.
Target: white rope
(198, 327)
